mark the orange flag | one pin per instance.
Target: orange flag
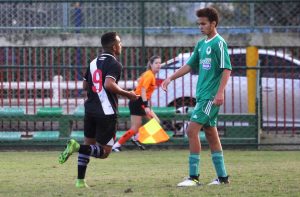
(152, 133)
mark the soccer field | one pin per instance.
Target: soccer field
(149, 173)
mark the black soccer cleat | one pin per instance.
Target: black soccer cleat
(138, 144)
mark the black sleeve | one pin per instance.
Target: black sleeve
(114, 71)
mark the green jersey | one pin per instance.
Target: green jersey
(210, 57)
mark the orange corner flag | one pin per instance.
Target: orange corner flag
(152, 133)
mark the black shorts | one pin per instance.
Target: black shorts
(136, 108)
(103, 129)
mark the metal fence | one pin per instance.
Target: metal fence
(32, 78)
(41, 85)
(150, 17)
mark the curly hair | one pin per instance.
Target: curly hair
(209, 12)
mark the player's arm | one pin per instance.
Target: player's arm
(85, 78)
(219, 98)
(145, 83)
(145, 101)
(143, 94)
(191, 63)
(179, 73)
(222, 52)
(110, 82)
(84, 85)
(111, 85)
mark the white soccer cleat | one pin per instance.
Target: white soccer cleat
(219, 181)
(189, 182)
(117, 149)
(215, 182)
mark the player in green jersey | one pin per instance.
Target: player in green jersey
(211, 58)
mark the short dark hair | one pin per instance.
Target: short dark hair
(108, 40)
(209, 12)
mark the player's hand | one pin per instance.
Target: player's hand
(219, 99)
(165, 84)
(149, 114)
(148, 111)
(132, 96)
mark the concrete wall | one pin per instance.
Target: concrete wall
(242, 40)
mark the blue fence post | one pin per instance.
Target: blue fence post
(78, 19)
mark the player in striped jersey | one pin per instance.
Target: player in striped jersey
(101, 107)
(211, 58)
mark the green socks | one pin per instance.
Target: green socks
(194, 161)
(218, 160)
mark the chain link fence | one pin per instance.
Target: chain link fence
(149, 17)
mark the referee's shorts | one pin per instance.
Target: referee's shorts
(136, 108)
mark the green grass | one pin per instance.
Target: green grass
(149, 173)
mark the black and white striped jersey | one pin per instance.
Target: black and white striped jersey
(100, 101)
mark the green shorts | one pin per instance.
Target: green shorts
(205, 113)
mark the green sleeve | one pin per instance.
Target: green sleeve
(223, 56)
(193, 62)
